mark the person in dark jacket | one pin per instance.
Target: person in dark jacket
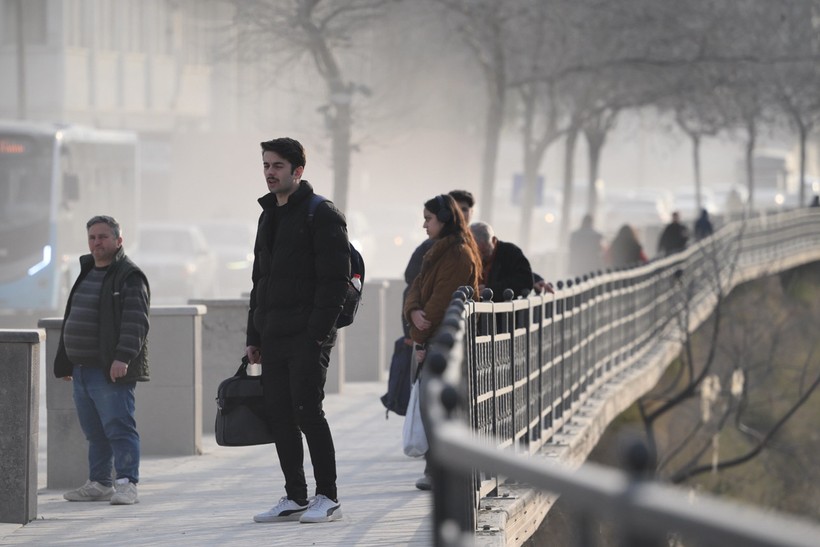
(301, 272)
(674, 237)
(586, 250)
(625, 250)
(504, 265)
(103, 349)
(703, 225)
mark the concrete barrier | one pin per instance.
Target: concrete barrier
(365, 338)
(393, 302)
(19, 428)
(223, 345)
(169, 407)
(67, 449)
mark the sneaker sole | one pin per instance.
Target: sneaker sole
(124, 502)
(336, 515)
(87, 499)
(289, 518)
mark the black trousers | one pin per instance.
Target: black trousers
(294, 371)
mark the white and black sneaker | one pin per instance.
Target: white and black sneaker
(285, 510)
(322, 509)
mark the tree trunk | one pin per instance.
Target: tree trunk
(569, 174)
(803, 137)
(595, 143)
(750, 176)
(528, 198)
(696, 166)
(342, 130)
(492, 136)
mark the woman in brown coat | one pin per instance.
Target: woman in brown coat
(452, 262)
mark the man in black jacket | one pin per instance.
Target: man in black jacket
(504, 264)
(674, 237)
(103, 349)
(300, 276)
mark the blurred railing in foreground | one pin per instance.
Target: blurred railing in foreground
(505, 380)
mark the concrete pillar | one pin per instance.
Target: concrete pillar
(169, 406)
(393, 303)
(223, 345)
(67, 449)
(365, 338)
(19, 428)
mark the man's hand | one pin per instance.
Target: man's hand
(118, 370)
(67, 378)
(543, 287)
(253, 354)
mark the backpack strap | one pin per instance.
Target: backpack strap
(315, 200)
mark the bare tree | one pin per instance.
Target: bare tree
(698, 117)
(796, 81)
(486, 28)
(324, 32)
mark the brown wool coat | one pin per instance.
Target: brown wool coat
(448, 265)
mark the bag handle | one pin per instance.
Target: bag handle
(242, 371)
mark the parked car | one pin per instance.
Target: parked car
(232, 243)
(177, 261)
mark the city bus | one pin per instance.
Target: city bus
(53, 178)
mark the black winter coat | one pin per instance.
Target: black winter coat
(673, 239)
(301, 269)
(510, 270)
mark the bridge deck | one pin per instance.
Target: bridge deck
(211, 499)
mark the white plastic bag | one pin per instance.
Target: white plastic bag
(415, 440)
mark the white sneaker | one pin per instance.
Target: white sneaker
(322, 509)
(286, 509)
(126, 493)
(90, 491)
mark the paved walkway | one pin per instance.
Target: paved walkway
(211, 499)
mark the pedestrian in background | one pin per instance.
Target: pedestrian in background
(625, 250)
(103, 349)
(300, 277)
(586, 249)
(452, 262)
(703, 226)
(674, 237)
(504, 265)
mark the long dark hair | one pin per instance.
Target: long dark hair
(447, 211)
(449, 214)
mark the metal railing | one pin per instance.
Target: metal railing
(506, 379)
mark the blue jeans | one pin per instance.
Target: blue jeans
(106, 413)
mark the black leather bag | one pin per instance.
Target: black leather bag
(240, 414)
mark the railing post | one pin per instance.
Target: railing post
(455, 505)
